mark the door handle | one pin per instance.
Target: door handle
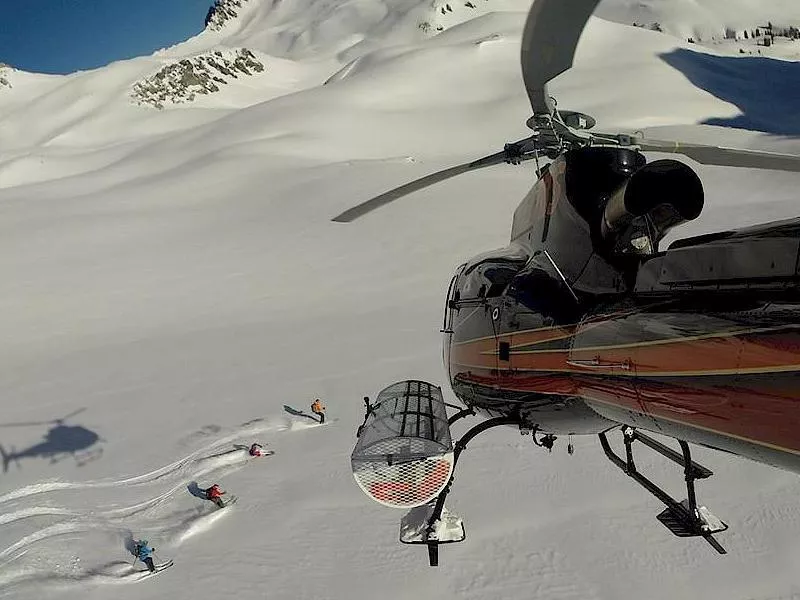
(596, 363)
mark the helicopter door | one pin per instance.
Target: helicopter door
(447, 319)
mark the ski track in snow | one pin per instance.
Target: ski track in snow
(251, 428)
(176, 527)
(111, 573)
(199, 525)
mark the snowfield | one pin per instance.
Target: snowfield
(170, 280)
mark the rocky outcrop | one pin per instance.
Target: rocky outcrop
(221, 12)
(204, 74)
(4, 71)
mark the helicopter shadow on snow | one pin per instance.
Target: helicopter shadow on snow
(765, 90)
(60, 441)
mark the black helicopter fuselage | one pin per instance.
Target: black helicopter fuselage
(581, 324)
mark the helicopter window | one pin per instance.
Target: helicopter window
(542, 289)
(499, 276)
(488, 277)
(495, 290)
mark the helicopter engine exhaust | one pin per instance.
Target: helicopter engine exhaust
(656, 198)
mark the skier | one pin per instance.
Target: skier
(144, 553)
(318, 408)
(256, 450)
(215, 493)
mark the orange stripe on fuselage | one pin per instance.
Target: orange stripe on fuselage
(743, 351)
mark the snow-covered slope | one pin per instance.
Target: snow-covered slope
(706, 17)
(710, 22)
(170, 279)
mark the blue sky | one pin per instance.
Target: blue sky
(62, 36)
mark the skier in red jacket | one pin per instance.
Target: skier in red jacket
(215, 494)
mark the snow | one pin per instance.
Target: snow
(176, 275)
(707, 19)
(414, 526)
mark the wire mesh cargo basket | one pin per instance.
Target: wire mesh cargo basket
(404, 454)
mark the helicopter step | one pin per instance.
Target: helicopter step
(685, 518)
(429, 526)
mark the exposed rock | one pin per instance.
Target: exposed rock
(181, 81)
(4, 71)
(221, 12)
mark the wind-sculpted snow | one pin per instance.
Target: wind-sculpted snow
(166, 510)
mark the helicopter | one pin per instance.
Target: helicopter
(583, 325)
(60, 440)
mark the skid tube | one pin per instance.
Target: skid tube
(683, 520)
(460, 445)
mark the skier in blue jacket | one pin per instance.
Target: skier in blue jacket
(144, 553)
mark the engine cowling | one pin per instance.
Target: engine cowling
(656, 198)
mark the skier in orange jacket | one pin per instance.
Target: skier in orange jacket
(318, 408)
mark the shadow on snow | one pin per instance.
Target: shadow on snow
(765, 90)
(60, 441)
(299, 413)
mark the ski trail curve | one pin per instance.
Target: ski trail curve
(24, 561)
(114, 572)
(152, 476)
(224, 464)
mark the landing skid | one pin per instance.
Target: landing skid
(433, 524)
(683, 519)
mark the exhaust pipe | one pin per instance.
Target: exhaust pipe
(656, 198)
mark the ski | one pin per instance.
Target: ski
(229, 501)
(159, 568)
(165, 565)
(263, 454)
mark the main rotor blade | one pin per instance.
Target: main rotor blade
(37, 423)
(365, 207)
(72, 414)
(723, 157)
(26, 424)
(551, 34)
